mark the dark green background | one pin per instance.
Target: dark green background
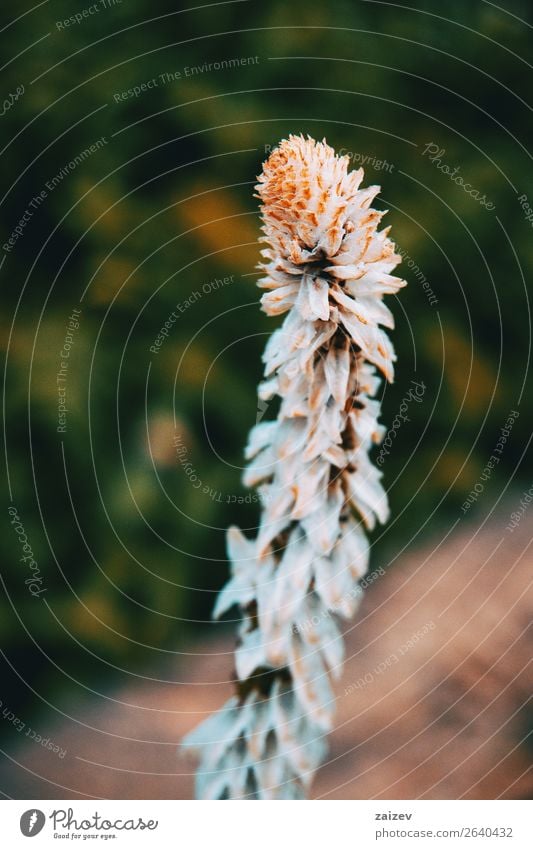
(129, 550)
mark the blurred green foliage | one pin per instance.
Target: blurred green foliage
(129, 546)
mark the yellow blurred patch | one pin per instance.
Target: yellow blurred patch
(220, 225)
(89, 619)
(194, 367)
(450, 472)
(102, 204)
(111, 281)
(470, 378)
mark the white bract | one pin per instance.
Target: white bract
(326, 268)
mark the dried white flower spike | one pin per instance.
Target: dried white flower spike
(327, 267)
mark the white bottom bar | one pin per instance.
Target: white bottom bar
(269, 825)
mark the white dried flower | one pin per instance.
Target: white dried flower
(327, 266)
